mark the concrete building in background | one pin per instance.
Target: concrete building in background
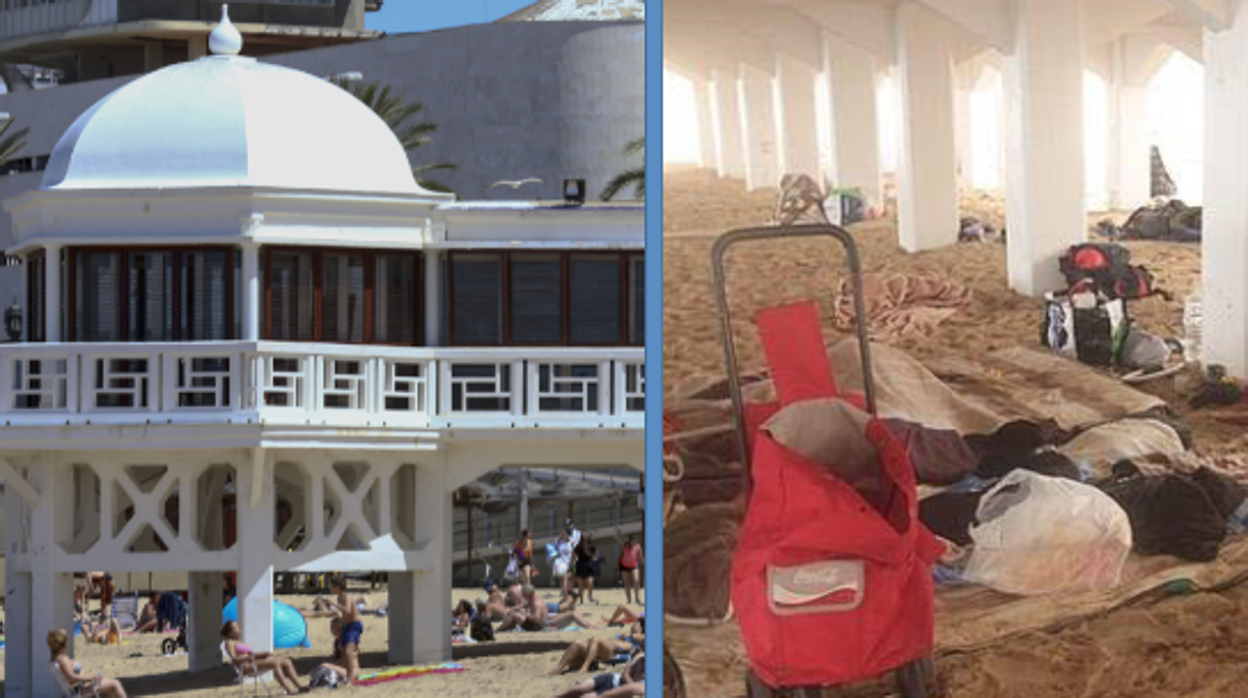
(512, 100)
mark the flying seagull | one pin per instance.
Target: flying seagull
(516, 184)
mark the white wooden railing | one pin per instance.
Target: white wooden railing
(321, 384)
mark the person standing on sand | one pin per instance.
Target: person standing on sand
(352, 628)
(524, 557)
(563, 564)
(631, 560)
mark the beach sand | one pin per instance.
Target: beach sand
(1192, 646)
(515, 665)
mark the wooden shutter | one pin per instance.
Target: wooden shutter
(536, 298)
(97, 298)
(396, 300)
(36, 297)
(343, 297)
(150, 297)
(290, 289)
(637, 300)
(476, 299)
(207, 277)
(594, 301)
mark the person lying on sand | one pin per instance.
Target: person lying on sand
(257, 663)
(630, 682)
(623, 616)
(584, 655)
(326, 608)
(321, 677)
(80, 684)
(101, 634)
(148, 621)
(535, 616)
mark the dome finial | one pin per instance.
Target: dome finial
(225, 40)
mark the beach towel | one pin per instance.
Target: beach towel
(409, 673)
(900, 306)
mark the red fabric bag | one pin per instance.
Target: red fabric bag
(828, 588)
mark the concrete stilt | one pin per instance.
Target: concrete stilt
(255, 573)
(1129, 165)
(17, 600)
(726, 121)
(1225, 241)
(1045, 207)
(795, 113)
(51, 592)
(420, 600)
(758, 128)
(851, 75)
(703, 105)
(203, 627)
(927, 177)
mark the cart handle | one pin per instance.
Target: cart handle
(718, 251)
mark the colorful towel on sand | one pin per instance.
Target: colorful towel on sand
(900, 306)
(409, 673)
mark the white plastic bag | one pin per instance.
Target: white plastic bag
(1041, 535)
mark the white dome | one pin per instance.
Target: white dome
(226, 121)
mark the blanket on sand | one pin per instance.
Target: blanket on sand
(900, 306)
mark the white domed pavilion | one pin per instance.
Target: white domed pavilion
(244, 315)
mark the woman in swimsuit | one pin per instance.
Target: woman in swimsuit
(71, 673)
(251, 661)
(523, 551)
(631, 561)
(630, 682)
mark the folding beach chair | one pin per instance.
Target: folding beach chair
(248, 672)
(126, 610)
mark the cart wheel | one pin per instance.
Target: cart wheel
(169, 646)
(917, 679)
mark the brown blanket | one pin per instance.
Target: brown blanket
(899, 306)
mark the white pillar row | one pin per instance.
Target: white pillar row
(796, 117)
(964, 151)
(726, 122)
(203, 626)
(251, 291)
(758, 128)
(51, 591)
(17, 601)
(927, 193)
(851, 76)
(434, 278)
(1045, 198)
(419, 600)
(52, 293)
(255, 573)
(1224, 298)
(703, 103)
(1130, 170)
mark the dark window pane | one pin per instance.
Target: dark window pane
(36, 297)
(595, 300)
(478, 299)
(637, 304)
(150, 297)
(343, 298)
(95, 291)
(536, 299)
(396, 299)
(290, 311)
(204, 277)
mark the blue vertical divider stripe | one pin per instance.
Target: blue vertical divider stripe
(654, 348)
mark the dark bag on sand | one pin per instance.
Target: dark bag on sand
(1106, 268)
(481, 629)
(1095, 336)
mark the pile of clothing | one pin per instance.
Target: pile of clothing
(1164, 220)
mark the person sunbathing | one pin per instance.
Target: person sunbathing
(626, 684)
(623, 616)
(535, 616)
(322, 675)
(584, 655)
(250, 661)
(70, 675)
(102, 634)
(148, 621)
(461, 617)
(495, 604)
(326, 608)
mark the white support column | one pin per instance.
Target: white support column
(51, 591)
(927, 177)
(799, 125)
(251, 291)
(419, 600)
(52, 293)
(1130, 168)
(851, 75)
(726, 119)
(433, 297)
(1224, 297)
(203, 627)
(703, 98)
(964, 152)
(255, 574)
(17, 600)
(1045, 198)
(758, 126)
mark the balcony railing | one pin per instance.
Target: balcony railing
(321, 385)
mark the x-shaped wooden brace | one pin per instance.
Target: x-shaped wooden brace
(142, 502)
(347, 498)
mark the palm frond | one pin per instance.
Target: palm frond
(635, 146)
(393, 110)
(12, 144)
(421, 169)
(635, 178)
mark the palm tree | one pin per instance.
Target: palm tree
(12, 144)
(397, 114)
(635, 177)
